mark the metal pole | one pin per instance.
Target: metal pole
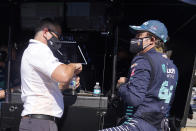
(114, 61)
(7, 95)
(8, 89)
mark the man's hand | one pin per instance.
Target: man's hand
(122, 80)
(2, 94)
(77, 81)
(78, 67)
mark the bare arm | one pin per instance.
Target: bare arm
(64, 73)
(63, 86)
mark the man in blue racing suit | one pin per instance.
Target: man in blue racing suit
(150, 87)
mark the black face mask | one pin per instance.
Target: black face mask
(136, 45)
(54, 44)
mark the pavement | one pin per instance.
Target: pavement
(191, 122)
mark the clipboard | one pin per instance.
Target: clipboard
(71, 52)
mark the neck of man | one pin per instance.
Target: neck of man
(39, 37)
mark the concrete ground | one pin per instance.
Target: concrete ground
(191, 123)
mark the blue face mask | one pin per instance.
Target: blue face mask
(136, 45)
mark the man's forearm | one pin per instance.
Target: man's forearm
(63, 86)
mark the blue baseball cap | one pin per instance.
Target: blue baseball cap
(153, 26)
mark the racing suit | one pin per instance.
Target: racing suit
(148, 92)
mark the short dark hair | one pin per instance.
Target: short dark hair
(46, 23)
